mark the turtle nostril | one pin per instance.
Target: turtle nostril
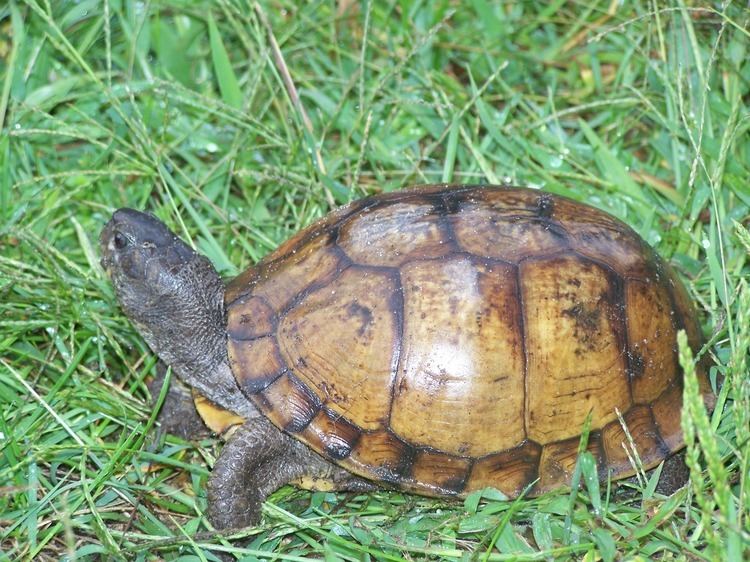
(120, 240)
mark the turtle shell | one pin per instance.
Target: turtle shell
(446, 339)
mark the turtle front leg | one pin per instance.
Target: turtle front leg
(257, 460)
(178, 415)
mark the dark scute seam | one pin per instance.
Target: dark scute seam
(436, 451)
(398, 308)
(492, 261)
(263, 403)
(549, 224)
(532, 445)
(452, 201)
(443, 209)
(254, 386)
(255, 338)
(522, 328)
(263, 267)
(457, 485)
(311, 288)
(620, 325)
(245, 291)
(453, 486)
(468, 256)
(545, 205)
(406, 462)
(664, 449)
(586, 258)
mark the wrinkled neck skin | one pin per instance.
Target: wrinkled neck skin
(184, 324)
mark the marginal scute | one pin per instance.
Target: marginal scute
(331, 434)
(350, 367)
(240, 285)
(293, 406)
(558, 461)
(383, 455)
(574, 344)
(668, 423)
(648, 443)
(461, 372)
(447, 473)
(375, 236)
(509, 471)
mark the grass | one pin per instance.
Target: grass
(238, 123)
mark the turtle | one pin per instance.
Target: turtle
(438, 340)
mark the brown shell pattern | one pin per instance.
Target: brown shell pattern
(445, 339)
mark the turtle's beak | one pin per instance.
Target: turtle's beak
(105, 246)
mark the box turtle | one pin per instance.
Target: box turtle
(439, 340)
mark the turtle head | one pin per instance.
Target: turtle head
(140, 253)
(172, 294)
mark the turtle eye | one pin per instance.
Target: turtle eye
(121, 240)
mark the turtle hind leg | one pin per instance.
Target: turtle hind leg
(674, 474)
(257, 460)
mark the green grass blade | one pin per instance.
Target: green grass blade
(225, 76)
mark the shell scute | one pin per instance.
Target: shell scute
(349, 369)
(469, 353)
(645, 436)
(507, 228)
(375, 235)
(448, 473)
(574, 345)
(289, 404)
(331, 434)
(256, 363)
(651, 339)
(384, 455)
(558, 460)
(509, 471)
(253, 318)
